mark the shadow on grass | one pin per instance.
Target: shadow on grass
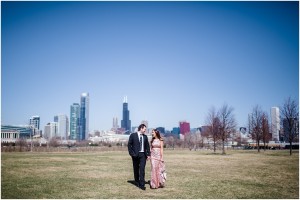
(218, 154)
(136, 183)
(133, 183)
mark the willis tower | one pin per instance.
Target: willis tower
(125, 122)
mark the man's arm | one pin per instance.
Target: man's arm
(148, 153)
(130, 141)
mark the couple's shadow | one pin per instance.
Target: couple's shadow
(136, 184)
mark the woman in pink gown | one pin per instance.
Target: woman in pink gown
(158, 175)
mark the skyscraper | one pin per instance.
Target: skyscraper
(184, 127)
(275, 123)
(51, 130)
(84, 116)
(176, 131)
(35, 122)
(74, 121)
(125, 122)
(115, 123)
(63, 127)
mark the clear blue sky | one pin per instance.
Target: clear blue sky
(174, 60)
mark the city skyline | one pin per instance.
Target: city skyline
(115, 119)
(174, 60)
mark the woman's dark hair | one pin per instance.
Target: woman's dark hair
(157, 135)
(141, 126)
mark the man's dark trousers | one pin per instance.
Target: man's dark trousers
(139, 164)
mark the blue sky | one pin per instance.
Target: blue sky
(174, 60)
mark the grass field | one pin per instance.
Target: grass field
(191, 174)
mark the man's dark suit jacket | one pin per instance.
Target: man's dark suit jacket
(134, 145)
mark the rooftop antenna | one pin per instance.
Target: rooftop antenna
(125, 99)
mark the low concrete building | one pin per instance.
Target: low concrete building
(9, 136)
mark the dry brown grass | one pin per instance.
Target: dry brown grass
(191, 174)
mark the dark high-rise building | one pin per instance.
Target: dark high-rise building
(84, 117)
(125, 122)
(161, 130)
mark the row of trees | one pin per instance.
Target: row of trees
(222, 124)
(23, 144)
(259, 126)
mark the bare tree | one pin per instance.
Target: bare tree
(213, 123)
(256, 125)
(189, 140)
(170, 141)
(227, 124)
(290, 120)
(265, 129)
(194, 141)
(198, 140)
(179, 143)
(21, 142)
(53, 142)
(201, 139)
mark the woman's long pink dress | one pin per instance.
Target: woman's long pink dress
(157, 166)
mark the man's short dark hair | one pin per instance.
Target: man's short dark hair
(141, 126)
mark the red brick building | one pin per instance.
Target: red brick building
(184, 127)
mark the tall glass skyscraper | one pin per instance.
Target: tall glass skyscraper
(125, 122)
(35, 122)
(74, 121)
(84, 116)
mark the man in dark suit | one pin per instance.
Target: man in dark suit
(139, 150)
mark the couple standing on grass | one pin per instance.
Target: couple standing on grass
(140, 152)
